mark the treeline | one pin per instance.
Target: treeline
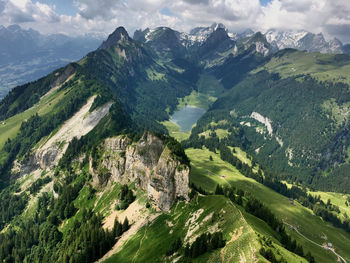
(126, 197)
(25, 96)
(258, 209)
(328, 212)
(175, 147)
(38, 238)
(36, 127)
(204, 243)
(38, 184)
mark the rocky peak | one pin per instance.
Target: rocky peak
(259, 41)
(120, 34)
(303, 40)
(216, 39)
(150, 165)
(200, 34)
(335, 45)
(140, 35)
(165, 41)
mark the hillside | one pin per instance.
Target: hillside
(89, 172)
(293, 113)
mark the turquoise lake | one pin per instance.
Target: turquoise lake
(186, 117)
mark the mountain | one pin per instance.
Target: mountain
(287, 109)
(90, 171)
(303, 40)
(165, 41)
(27, 55)
(346, 49)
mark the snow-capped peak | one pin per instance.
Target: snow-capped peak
(302, 40)
(285, 39)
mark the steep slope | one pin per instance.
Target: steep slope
(207, 174)
(293, 114)
(165, 41)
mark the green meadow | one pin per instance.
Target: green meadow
(207, 174)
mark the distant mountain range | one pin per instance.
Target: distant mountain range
(301, 40)
(26, 55)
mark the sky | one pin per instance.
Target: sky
(75, 17)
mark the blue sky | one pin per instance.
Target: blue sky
(331, 17)
(264, 2)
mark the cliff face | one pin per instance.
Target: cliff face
(150, 165)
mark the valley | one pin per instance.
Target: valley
(174, 147)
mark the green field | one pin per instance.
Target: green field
(321, 66)
(336, 199)
(208, 90)
(207, 174)
(174, 131)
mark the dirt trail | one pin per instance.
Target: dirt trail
(330, 249)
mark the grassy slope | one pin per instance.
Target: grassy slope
(174, 131)
(321, 66)
(336, 199)
(45, 105)
(208, 90)
(207, 174)
(152, 241)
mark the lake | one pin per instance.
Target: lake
(186, 117)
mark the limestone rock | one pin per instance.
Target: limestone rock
(150, 165)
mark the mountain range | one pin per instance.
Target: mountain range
(279, 39)
(26, 55)
(95, 168)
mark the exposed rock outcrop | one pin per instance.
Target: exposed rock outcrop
(48, 154)
(264, 120)
(120, 34)
(150, 165)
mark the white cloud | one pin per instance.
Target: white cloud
(25, 11)
(329, 16)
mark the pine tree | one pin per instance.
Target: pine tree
(125, 226)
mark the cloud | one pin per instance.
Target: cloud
(103, 16)
(2, 6)
(25, 11)
(91, 9)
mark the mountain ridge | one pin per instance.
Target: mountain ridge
(88, 170)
